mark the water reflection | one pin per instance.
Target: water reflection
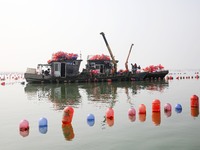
(59, 94)
(68, 94)
(68, 131)
(108, 92)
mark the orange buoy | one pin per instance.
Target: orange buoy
(156, 105)
(156, 118)
(68, 115)
(142, 109)
(194, 101)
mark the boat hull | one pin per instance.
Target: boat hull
(35, 78)
(156, 75)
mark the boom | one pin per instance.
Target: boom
(111, 54)
(126, 63)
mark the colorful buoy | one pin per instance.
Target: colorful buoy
(156, 105)
(67, 115)
(24, 125)
(43, 122)
(167, 107)
(90, 119)
(142, 109)
(194, 101)
(178, 108)
(24, 128)
(43, 125)
(132, 114)
(110, 117)
(110, 113)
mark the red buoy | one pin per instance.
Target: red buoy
(142, 109)
(194, 101)
(110, 113)
(110, 117)
(156, 105)
(68, 115)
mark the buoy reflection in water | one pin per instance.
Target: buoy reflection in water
(68, 131)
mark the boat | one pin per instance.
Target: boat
(66, 70)
(64, 67)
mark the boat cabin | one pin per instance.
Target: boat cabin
(102, 65)
(63, 69)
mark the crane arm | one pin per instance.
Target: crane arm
(126, 63)
(111, 54)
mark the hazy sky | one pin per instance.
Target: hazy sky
(164, 32)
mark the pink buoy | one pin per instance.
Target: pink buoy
(132, 114)
(24, 128)
(167, 107)
(24, 125)
(194, 101)
(67, 115)
(156, 105)
(142, 109)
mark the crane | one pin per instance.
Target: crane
(126, 63)
(111, 54)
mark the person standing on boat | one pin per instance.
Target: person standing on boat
(134, 68)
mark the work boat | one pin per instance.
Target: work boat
(64, 68)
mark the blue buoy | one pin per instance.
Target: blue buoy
(178, 108)
(90, 119)
(43, 125)
(43, 122)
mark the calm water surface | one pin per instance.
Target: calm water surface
(150, 131)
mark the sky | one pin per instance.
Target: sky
(165, 32)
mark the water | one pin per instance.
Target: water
(31, 102)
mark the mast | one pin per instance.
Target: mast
(111, 54)
(126, 63)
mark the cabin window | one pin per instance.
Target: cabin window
(56, 67)
(97, 67)
(92, 65)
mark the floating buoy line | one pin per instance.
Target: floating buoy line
(68, 113)
(182, 75)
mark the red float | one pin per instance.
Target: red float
(68, 115)
(156, 105)
(142, 109)
(194, 101)
(110, 113)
